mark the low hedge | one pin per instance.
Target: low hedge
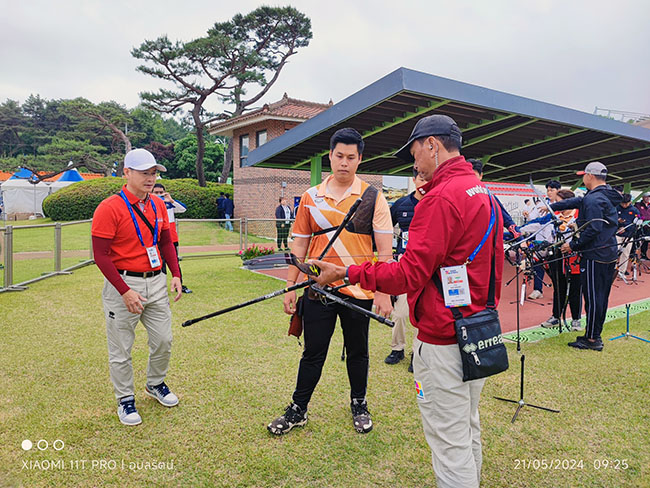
(79, 200)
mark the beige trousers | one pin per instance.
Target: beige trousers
(120, 331)
(449, 409)
(625, 254)
(401, 318)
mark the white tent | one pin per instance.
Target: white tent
(21, 196)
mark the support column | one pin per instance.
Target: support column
(316, 170)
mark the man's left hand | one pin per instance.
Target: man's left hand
(566, 248)
(177, 287)
(383, 305)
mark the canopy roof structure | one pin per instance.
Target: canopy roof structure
(513, 136)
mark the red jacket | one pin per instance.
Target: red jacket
(448, 224)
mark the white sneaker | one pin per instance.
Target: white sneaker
(576, 324)
(535, 295)
(162, 394)
(127, 413)
(551, 322)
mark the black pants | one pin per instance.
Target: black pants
(644, 244)
(283, 233)
(319, 322)
(560, 282)
(596, 283)
(164, 265)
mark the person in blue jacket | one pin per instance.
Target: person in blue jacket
(597, 247)
(401, 213)
(228, 211)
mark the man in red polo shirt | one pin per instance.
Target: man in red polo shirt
(127, 231)
(449, 222)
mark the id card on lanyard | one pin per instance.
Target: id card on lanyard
(152, 252)
(455, 284)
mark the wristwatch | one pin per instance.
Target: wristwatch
(346, 280)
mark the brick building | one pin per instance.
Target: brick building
(256, 190)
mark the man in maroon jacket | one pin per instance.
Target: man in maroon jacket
(448, 224)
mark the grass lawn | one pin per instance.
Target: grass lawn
(236, 372)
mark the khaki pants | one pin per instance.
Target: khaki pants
(120, 331)
(625, 254)
(449, 409)
(401, 318)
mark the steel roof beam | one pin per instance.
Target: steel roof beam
(498, 133)
(577, 162)
(531, 144)
(384, 126)
(557, 153)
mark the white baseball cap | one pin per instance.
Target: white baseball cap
(140, 160)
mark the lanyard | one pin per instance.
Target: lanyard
(490, 226)
(135, 222)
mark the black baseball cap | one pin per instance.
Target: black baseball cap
(432, 125)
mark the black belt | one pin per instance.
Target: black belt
(137, 274)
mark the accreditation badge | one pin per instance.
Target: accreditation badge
(405, 239)
(455, 286)
(152, 254)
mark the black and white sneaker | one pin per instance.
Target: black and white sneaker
(294, 416)
(361, 415)
(162, 394)
(550, 323)
(127, 412)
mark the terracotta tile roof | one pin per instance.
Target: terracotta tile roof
(286, 107)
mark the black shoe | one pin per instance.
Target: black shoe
(394, 357)
(411, 365)
(583, 343)
(185, 289)
(294, 416)
(361, 416)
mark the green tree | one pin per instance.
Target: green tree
(12, 124)
(107, 118)
(184, 164)
(151, 126)
(247, 52)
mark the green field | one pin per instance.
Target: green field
(236, 372)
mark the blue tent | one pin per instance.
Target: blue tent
(23, 174)
(71, 175)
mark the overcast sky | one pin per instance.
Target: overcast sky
(578, 54)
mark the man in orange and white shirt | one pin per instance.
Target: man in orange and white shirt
(322, 209)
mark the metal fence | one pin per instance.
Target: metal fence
(268, 230)
(29, 253)
(28, 256)
(236, 226)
